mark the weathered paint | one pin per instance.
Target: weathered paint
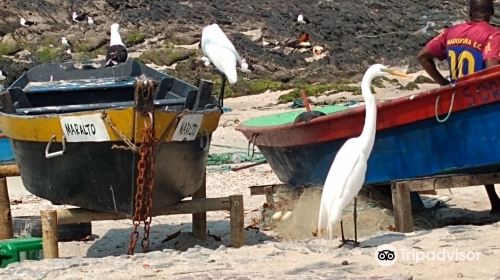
(40, 128)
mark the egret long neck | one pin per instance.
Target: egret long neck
(368, 135)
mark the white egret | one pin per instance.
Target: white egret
(222, 54)
(117, 52)
(347, 172)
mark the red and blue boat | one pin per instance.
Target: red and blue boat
(452, 129)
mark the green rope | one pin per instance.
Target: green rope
(230, 158)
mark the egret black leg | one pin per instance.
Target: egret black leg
(494, 199)
(355, 216)
(354, 242)
(342, 231)
(223, 87)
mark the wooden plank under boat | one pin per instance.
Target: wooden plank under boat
(95, 111)
(452, 129)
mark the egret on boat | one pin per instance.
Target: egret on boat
(347, 172)
(117, 52)
(219, 51)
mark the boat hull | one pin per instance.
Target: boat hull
(96, 176)
(451, 129)
(415, 150)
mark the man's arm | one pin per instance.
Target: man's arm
(427, 61)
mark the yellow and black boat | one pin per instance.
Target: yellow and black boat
(80, 133)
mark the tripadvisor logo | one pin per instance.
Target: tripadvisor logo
(387, 255)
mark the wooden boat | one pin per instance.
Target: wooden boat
(453, 129)
(74, 131)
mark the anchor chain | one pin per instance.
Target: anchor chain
(145, 175)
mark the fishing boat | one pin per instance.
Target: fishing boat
(452, 129)
(76, 131)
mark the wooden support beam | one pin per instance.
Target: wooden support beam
(402, 206)
(452, 181)
(9, 170)
(269, 192)
(6, 231)
(49, 234)
(80, 215)
(237, 219)
(259, 190)
(200, 218)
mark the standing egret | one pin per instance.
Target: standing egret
(221, 53)
(347, 173)
(117, 53)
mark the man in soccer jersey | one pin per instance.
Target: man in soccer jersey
(469, 47)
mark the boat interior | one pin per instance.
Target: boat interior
(64, 88)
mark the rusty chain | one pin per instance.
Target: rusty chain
(145, 176)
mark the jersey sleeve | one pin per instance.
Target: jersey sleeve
(437, 46)
(492, 48)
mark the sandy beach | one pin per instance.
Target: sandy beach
(458, 240)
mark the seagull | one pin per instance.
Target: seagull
(347, 172)
(90, 21)
(79, 18)
(65, 43)
(26, 23)
(302, 19)
(117, 53)
(221, 53)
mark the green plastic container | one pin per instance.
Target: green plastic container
(19, 249)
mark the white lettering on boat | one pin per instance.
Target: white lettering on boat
(188, 127)
(85, 128)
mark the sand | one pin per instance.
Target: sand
(279, 250)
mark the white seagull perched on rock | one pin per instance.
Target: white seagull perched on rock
(90, 21)
(26, 23)
(219, 51)
(65, 43)
(302, 19)
(347, 173)
(117, 52)
(79, 18)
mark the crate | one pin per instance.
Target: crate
(19, 249)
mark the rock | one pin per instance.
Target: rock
(183, 38)
(9, 45)
(286, 216)
(91, 41)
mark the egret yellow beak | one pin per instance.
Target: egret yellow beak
(394, 72)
